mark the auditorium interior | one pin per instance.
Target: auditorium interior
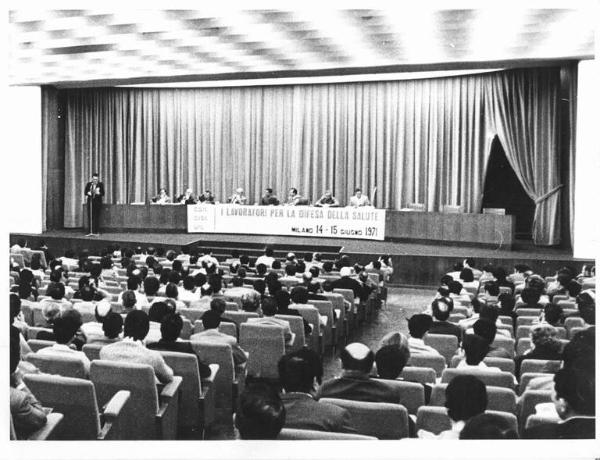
(302, 224)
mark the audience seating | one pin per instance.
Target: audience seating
(297, 328)
(197, 402)
(527, 320)
(75, 398)
(412, 394)
(312, 316)
(45, 433)
(575, 330)
(325, 308)
(435, 362)
(92, 350)
(537, 419)
(32, 332)
(418, 374)
(381, 420)
(499, 398)
(435, 419)
(504, 364)
(337, 300)
(525, 344)
(525, 331)
(527, 402)
(526, 377)
(292, 434)
(506, 343)
(149, 414)
(66, 366)
(239, 317)
(529, 311)
(493, 378)
(572, 322)
(545, 366)
(224, 328)
(445, 344)
(265, 345)
(36, 344)
(228, 384)
(348, 295)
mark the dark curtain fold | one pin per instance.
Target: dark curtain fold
(417, 141)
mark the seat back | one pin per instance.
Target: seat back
(529, 399)
(433, 419)
(186, 366)
(311, 315)
(239, 317)
(224, 328)
(325, 308)
(293, 434)
(337, 300)
(527, 320)
(193, 314)
(528, 311)
(504, 364)
(73, 397)
(67, 366)
(506, 343)
(489, 377)
(219, 353)
(92, 350)
(444, 343)
(36, 344)
(139, 415)
(435, 362)
(266, 345)
(381, 420)
(412, 394)
(572, 322)
(418, 374)
(526, 377)
(32, 332)
(499, 399)
(297, 328)
(347, 293)
(544, 366)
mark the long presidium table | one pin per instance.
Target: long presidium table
(360, 223)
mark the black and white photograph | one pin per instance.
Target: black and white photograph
(301, 230)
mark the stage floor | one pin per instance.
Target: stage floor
(524, 250)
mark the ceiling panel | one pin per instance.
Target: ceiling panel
(70, 47)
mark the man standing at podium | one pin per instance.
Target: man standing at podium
(94, 191)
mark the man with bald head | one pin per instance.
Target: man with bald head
(355, 383)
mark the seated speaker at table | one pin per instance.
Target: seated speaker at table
(359, 199)
(295, 199)
(207, 197)
(269, 198)
(162, 197)
(187, 197)
(239, 197)
(327, 200)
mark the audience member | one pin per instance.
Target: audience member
(211, 334)
(418, 325)
(441, 308)
(260, 414)
(488, 426)
(131, 348)
(269, 309)
(546, 345)
(299, 373)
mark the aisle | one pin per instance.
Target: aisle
(402, 304)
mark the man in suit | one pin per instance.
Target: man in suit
(170, 328)
(269, 309)
(132, 350)
(299, 374)
(211, 334)
(441, 308)
(574, 399)
(94, 191)
(356, 383)
(269, 199)
(347, 282)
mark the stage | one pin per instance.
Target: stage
(415, 264)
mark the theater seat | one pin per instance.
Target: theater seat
(297, 328)
(435, 362)
(92, 350)
(445, 344)
(381, 420)
(197, 402)
(312, 316)
(493, 378)
(418, 374)
(499, 398)
(76, 400)
(45, 433)
(545, 366)
(224, 328)
(67, 366)
(293, 434)
(265, 345)
(149, 415)
(36, 344)
(504, 364)
(529, 399)
(435, 419)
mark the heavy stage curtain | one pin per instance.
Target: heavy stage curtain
(417, 141)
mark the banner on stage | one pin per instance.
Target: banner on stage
(357, 223)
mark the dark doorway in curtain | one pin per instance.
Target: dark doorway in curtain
(502, 189)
